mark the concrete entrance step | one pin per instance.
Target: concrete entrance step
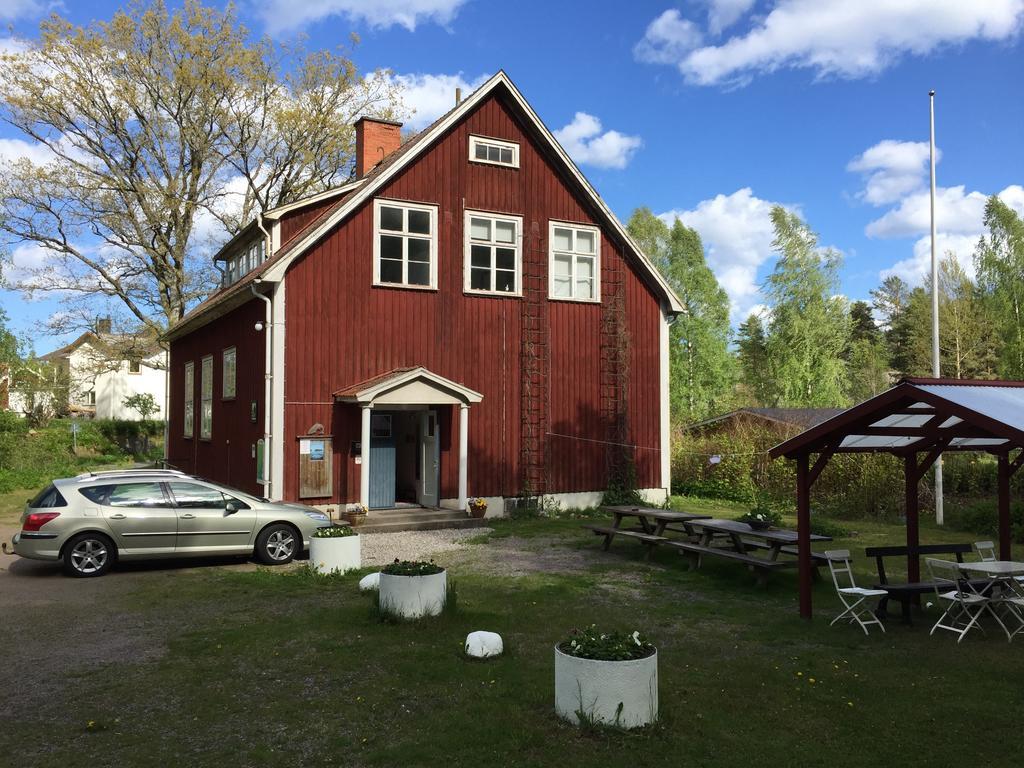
(418, 521)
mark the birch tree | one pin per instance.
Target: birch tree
(1000, 266)
(158, 125)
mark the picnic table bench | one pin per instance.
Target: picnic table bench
(741, 540)
(908, 592)
(651, 524)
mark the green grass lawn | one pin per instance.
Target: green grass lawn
(269, 667)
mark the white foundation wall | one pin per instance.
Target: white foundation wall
(578, 500)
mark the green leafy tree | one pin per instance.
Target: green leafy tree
(755, 373)
(967, 338)
(144, 404)
(701, 365)
(867, 357)
(999, 259)
(810, 325)
(153, 121)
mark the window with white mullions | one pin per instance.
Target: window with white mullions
(492, 253)
(405, 243)
(575, 262)
(493, 151)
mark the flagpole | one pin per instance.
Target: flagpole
(935, 297)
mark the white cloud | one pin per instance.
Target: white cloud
(737, 233)
(838, 37)
(668, 39)
(956, 211)
(13, 150)
(959, 225)
(24, 259)
(22, 9)
(892, 169)
(286, 15)
(427, 97)
(13, 45)
(587, 145)
(724, 13)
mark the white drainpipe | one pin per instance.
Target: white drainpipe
(268, 387)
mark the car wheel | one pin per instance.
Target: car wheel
(88, 554)
(277, 544)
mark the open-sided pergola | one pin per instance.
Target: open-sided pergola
(917, 420)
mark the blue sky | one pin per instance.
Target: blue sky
(712, 110)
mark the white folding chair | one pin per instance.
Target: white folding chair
(986, 551)
(851, 595)
(965, 605)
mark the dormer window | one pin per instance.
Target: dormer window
(493, 151)
(244, 260)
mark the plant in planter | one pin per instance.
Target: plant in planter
(335, 549)
(356, 514)
(412, 589)
(761, 518)
(477, 507)
(608, 678)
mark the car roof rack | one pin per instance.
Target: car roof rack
(128, 473)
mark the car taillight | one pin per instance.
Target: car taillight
(37, 520)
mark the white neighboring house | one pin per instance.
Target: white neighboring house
(103, 369)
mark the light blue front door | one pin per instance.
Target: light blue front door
(382, 462)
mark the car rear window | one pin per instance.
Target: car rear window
(48, 497)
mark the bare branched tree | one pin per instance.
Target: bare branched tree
(162, 128)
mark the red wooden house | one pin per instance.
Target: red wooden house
(464, 318)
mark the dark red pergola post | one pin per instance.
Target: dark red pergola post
(911, 477)
(803, 526)
(1004, 506)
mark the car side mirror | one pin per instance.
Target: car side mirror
(230, 507)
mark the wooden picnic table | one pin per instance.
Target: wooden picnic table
(743, 542)
(652, 524)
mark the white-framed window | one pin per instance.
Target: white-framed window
(493, 151)
(228, 375)
(190, 398)
(206, 399)
(575, 261)
(404, 244)
(493, 253)
(134, 366)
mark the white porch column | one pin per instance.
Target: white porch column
(364, 457)
(463, 454)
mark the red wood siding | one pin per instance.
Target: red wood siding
(227, 456)
(294, 221)
(341, 330)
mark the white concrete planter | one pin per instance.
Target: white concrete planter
(341, 554)
(413, 596)
(597, 688)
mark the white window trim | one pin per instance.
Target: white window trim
(224, 374)
(202, 400)
(189, 427)
(551, 262)
(474, 139)
(378, 203)
(466, 261)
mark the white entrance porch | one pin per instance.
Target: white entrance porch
(400, 391)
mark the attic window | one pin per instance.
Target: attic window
(493, 151)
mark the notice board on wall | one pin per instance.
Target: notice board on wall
(315, 467)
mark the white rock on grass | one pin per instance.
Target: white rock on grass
(370, 581)
(483, 644)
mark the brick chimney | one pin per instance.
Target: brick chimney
(375, 140)
(103, 325)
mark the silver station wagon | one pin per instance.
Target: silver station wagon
(90, 521)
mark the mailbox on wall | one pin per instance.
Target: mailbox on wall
(315, 467)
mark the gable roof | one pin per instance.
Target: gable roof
(922, 414)
(367, 391)
(362, 190)
(793, 417)
(113, 346)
